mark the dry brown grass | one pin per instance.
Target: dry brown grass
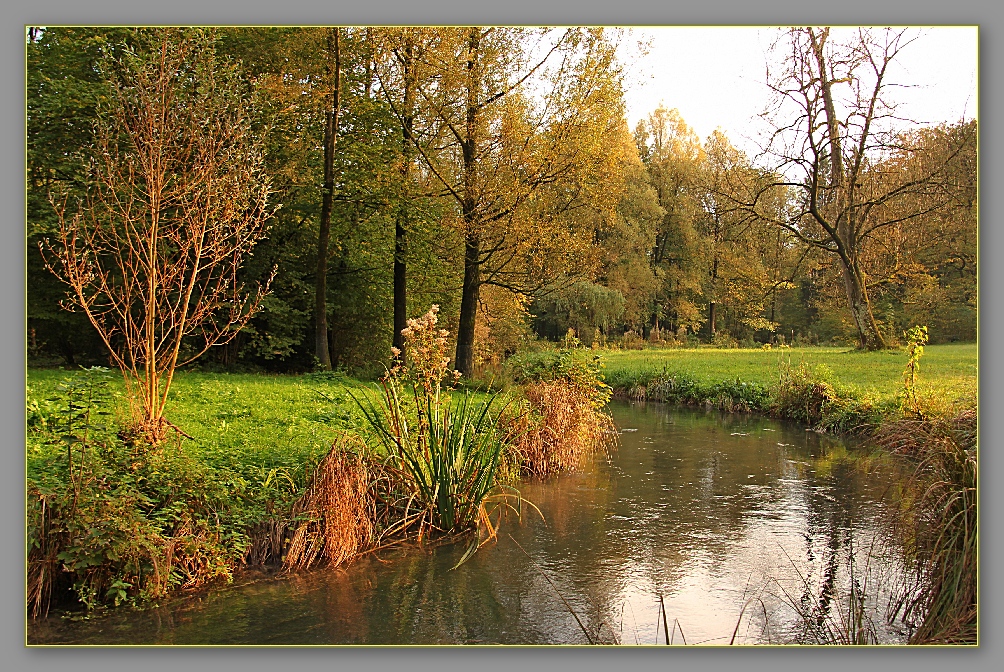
(334, 518)
(560, 430)
(942, 530)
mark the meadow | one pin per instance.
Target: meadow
(948, 373)
(263, 429)
(283, 422)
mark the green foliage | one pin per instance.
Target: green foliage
(916, 338)
(451, 452)
(125, 513)
(582, 368)
(733, 395)
(802, 394)
(581, 307)
(120, 520)
(722, 339)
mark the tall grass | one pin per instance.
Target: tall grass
(559, 429)
(941, 523)
(334, 518)
(563, 420)
(451, 451)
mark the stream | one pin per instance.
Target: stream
(702, 527)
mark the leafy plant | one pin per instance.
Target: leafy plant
(916, 338)
(449, 445)
(115, 519)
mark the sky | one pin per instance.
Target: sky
(715, 77)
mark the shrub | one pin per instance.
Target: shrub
(801, 395)
(723, 339)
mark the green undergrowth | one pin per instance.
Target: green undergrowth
(111, 520)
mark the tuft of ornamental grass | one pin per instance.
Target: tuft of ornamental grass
(449, 446)
(335, 517)
(559, 429)
(450, 450)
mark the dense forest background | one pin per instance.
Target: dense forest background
(492, 172)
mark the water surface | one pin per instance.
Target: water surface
(730, 524)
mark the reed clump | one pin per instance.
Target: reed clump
(447, 447)
(561, 420)
(559, 428)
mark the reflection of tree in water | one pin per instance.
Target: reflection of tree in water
(843, 522)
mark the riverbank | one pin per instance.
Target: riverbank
(258, 469)
(691, 511)
(832, 389)
(221, 499)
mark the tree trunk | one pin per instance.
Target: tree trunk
(468, 306)
(401, 225)
(472, 244)
(714, 289)
(869, 335)
(321, 277)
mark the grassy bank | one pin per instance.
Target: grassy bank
(862, 386)
(259, 468)
(946, 368)
(111, 520)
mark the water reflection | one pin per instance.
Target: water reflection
(706, 510)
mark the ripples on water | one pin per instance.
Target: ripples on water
(708, 511)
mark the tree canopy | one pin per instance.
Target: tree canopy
(491, 171)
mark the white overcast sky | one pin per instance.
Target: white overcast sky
(715, 77)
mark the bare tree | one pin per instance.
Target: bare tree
(834, 129)
(177, 199)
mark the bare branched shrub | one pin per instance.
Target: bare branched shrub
(176, 199)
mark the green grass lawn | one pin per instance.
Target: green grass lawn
(252, 424)
(283, 421)
(948, 370)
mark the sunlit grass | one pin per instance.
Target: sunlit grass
(247, 422)
(948, 372)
